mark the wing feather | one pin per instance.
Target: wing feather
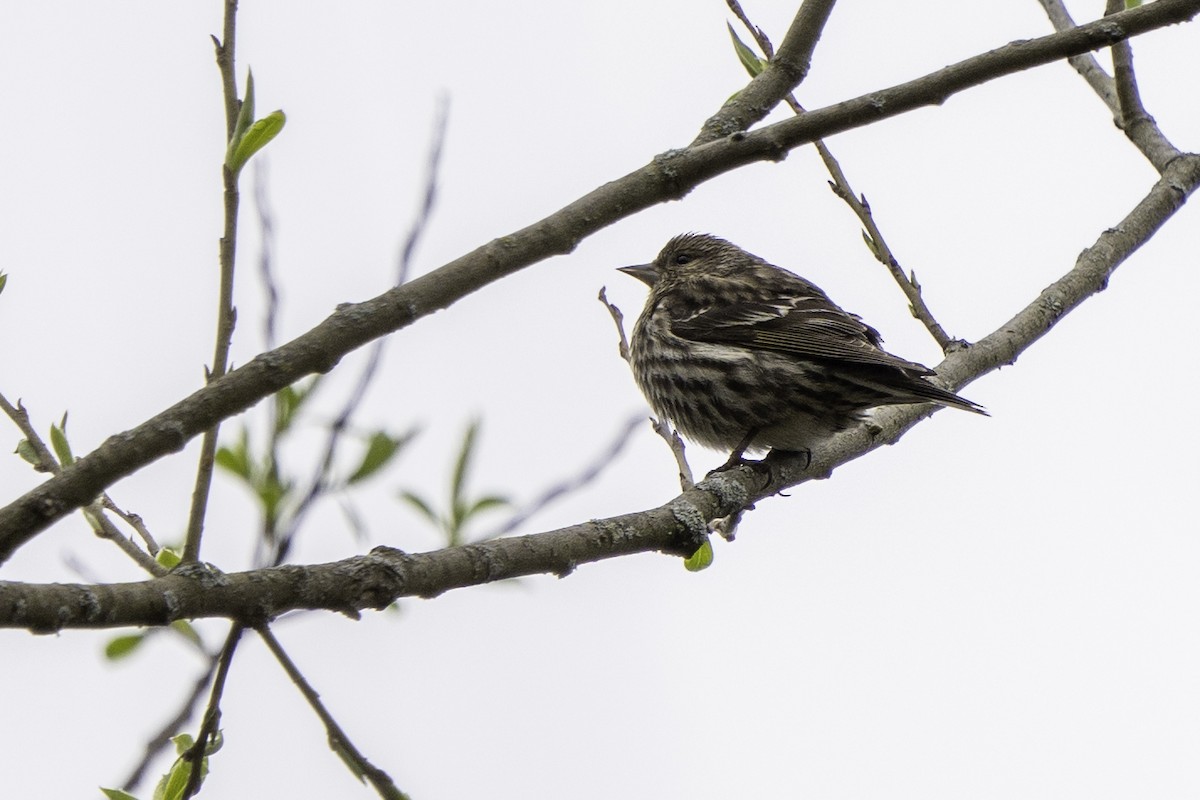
(808, 326)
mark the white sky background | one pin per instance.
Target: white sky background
(995, 607)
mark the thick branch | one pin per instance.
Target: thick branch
(378, 579)
(784, 72)
(371, 581)
(1120, 94)
(667, 177)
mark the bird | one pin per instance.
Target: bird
(741, 355)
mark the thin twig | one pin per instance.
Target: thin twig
(318, 484)
(1128, 99)
(619, 320)
(1085, 64)
(873, 236)
(726, 527)
(1120, 94)
(660, 426)
(339, 742)
(573, 484)
(268, 535)
(46, 462)
(103, 527)
(675, 443)
(226, 48)
(134, 521)
(226, 316)
(764, 43)
(212, 713)
(266, 228)
(93, 512)
(1135, 121)
(162, 739)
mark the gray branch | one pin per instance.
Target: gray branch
(669, 176)
(384, 575)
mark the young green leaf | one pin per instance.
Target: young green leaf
(256, 138)
(354, 520)
(121, 646)
(117, 794)
(215, 743)
(484, 503)
(287, 401)
(462, 465)
(422, 506)
(168, 557)
(245, 116)
(58, 440)
(701, 559)
(461, 508)
(3, 281)
(172, 785)
(380, 450)
(185, 629)
(236, 459)
(753, 64)
(272, 492)
(27, 453)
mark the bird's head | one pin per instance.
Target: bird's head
(689, 256)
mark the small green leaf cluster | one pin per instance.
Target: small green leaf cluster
(120, 647)
(249, 134)
(460, 509)
(261, 474)
(58, 441)
(172, 785)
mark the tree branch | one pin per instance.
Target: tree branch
(659, 425)
(669, 176)
(93, 512)
(226, 316)
(339, 742)
(160, 740)
(872, 235)
(318, 485)
(1120, 94)
(786, 69)
(209, 728)
(379, 578)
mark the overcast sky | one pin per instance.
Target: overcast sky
(995, 607)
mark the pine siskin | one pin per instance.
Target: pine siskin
(738, 353)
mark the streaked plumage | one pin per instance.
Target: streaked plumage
(734, 351)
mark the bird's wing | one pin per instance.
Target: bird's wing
(808, 326)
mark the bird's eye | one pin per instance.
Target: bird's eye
(682, 258)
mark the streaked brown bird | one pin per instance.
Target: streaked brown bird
(740, 354)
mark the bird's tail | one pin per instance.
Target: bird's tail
(926, 392)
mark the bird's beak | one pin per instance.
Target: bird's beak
(646, 273)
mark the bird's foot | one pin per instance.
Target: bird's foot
(806, 454)
(768, 465)
(735, 458)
